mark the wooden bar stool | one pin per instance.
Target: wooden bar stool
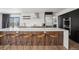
(10, 38)
(39, 39)
(26, 38)
(52, 38)
(1, 37)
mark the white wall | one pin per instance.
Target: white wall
(0, 20)
(15, 15)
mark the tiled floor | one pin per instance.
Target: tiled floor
(73, 46)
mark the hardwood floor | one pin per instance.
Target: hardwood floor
(7, 47)
(73, 46)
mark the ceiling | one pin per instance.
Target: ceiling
(28, 10)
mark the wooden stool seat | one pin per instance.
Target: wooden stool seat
(40, 36)
(26, 35)
(1, 35)
(53, 36)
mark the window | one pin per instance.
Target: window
(14, 21)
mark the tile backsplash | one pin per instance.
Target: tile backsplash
(36, 19)
(32, 22)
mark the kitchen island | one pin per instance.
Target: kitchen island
(62, 38)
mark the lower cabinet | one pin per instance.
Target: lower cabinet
(32, 38)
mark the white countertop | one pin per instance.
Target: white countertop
(33, 29)
(65, 32)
